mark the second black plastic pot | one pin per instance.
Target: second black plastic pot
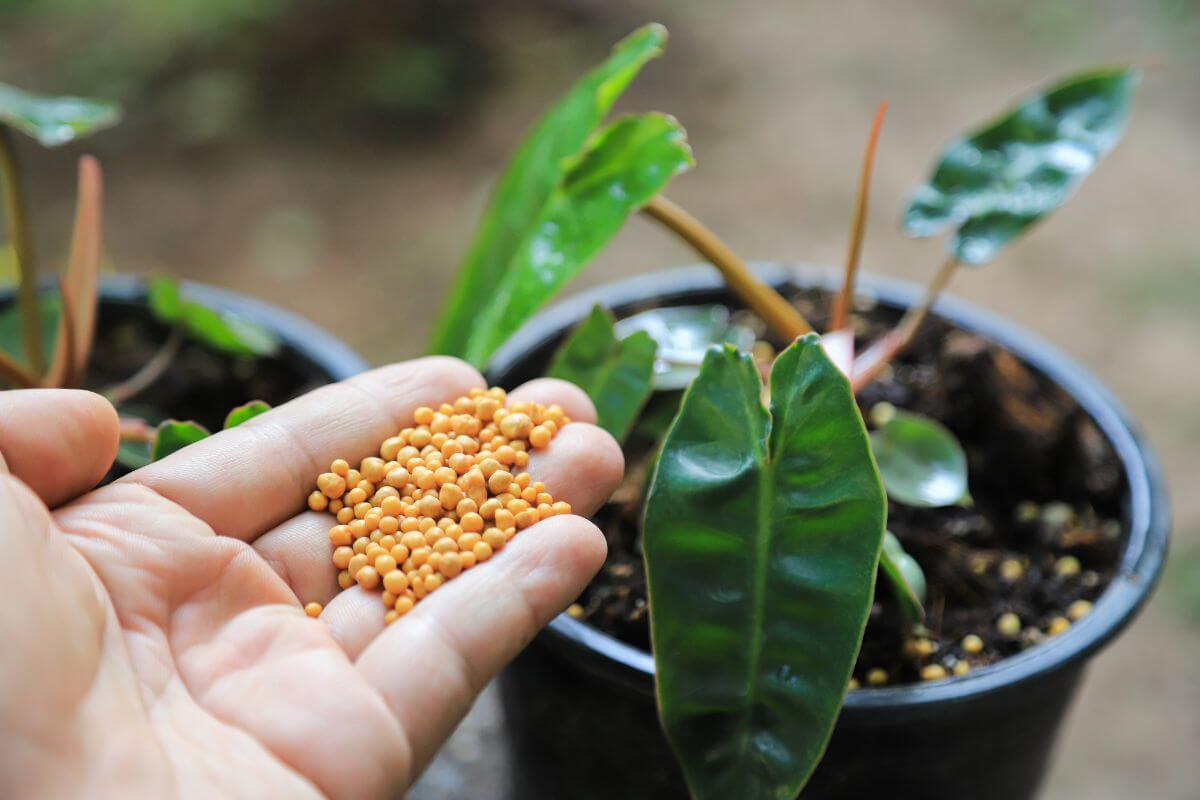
(580, 704)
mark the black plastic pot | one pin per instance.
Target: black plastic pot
(312, 353)
(580, 704)
(317, 348)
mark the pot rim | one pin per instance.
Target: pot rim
(1146, 512)
(333, 356)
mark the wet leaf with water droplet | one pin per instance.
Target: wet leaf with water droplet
(991, 185)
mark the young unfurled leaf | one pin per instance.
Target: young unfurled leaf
(519, 221)
(242, 413)
(614, 372)
(224, 332)
(55, 121)
(684, 334)
(905, 576)
(627, 163)
(762, 539)
(175, 435)
(994, 183)
(921, 462)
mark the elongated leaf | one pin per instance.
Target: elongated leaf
(762, 540)
(242, 413)
(614, 372)
(83, 266)
(991, 185)
(55, 120)
(684, 334)
(629, 162)
(921, 462)
(535, 171)
(175, 435)
(905, 576)
(224, 332)
(49, 307)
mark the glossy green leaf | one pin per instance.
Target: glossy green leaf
(175, 435)
(905, 576)
(762, 539)
(536, 173)
(992, 184)
(224, 332)
(55, 121)
(615, 373)
(921, 461)
(628, 163)
(684, 334)
(245, 412)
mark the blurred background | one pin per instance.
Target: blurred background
(333, 157)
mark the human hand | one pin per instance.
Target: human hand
(155, 637)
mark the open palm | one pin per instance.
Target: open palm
(155, 641)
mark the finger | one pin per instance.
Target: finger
(432, 662)
(548, 391)
(581, 466)
(243, 481)
(60, 442)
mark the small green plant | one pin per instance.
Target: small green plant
(46, 338)
(764, 525)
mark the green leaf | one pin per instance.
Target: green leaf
(224, 332)
(684, 334)
(906, 577)
(536, 173)
(49, 307)
(174, 435)
(762, 540)
(133, 454)
(629, 162)
(615, 373)
(992, 184)
(921, 462)
(54, 121)
(242, 413)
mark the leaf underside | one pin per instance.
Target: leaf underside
(991, 185)
(762, 540)
(55, 121)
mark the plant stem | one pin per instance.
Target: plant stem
(22, 243)
(136, 430)
(15, 374)
(775, 310)
(867, 366)
(841, 306)
(151, 371)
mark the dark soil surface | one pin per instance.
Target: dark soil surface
(1041, 535)
(200, 384)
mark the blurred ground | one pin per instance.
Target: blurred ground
(359, 226)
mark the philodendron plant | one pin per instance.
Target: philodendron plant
(765, 520)
(46, 338)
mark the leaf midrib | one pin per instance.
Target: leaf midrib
(762, 548)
